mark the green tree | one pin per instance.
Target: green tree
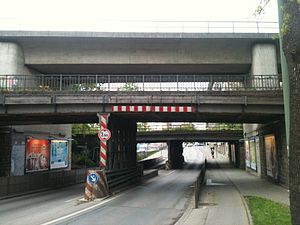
(129, 87)
(85, 128)
(143, 127)
(290, 31)
(289, 16)
(225, 126)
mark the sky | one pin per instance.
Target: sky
(95, 15)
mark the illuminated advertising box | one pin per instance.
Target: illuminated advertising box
(247, 147)
(252, 154)
(59, 156)
(37, 155)
(272, 165)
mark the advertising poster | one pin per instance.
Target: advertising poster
(37, 155)
(247, 148)
(59, 154)
(270, 147)
(252, 154)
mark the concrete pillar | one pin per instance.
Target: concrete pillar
(121, 148)
(240, 154)
(12, 60)
(175, 157)
(264, 62)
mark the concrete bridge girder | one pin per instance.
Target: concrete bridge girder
(83, 52)
(255, 107)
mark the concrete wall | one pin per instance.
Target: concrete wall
(138, 51)
(278, 130)
(19, 135)
(14, 185)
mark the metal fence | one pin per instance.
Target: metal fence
(186, 126)
(125, 83)
(149, 26)
(199, 183)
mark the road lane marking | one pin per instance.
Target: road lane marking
(78, 212)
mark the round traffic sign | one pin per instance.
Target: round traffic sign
(93, 178)
(104, 134)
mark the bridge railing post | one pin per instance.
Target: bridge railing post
(108, 82)
(159, 82)
(24, 84)
(60, 82)
(143, 77)
(96, 81)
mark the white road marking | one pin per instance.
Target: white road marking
(78, 212)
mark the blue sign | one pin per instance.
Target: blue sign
(93, 178)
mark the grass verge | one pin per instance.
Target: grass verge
(266, 212)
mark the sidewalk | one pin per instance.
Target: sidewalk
(221, 201)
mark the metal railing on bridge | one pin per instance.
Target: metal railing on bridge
(125, 83)
(146, 127)
(149, 26)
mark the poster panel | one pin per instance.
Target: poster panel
(37, 155)
(247, 148)
(59, 154)
(270, 147)
(252, 154)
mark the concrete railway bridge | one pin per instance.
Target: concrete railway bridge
(71, 77)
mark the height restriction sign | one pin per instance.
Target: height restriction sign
(104, 134)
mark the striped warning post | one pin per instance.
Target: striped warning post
(95, 186)
(103, 120)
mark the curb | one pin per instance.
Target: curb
(247, 209)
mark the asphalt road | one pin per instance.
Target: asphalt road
(159, 201)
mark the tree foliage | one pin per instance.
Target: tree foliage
(85, 128)
(143, 127)
(226, 126)
(129, 87)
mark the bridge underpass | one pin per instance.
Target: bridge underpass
(253, 95)
(129, 99)
(175, 139)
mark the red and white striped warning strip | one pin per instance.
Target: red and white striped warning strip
(138, 108)
(103, 120)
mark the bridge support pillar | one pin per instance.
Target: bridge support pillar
(264, 62)
(175, 157)
(234, 153)
(121, 148)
